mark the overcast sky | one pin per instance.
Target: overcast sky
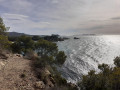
(64, 17)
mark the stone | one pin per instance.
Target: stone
(18, 55)
(47, 73)
(52, 80)
(40, 85)
(1, 65)
(3, 56)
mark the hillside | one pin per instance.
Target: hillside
(15, 34)
(17, 74)
(11, 71)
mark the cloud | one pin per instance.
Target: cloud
(115, 18)
(61, 16)
(53, 1)
(15, 16)
(24, 23)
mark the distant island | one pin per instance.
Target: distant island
(76, 38)
(12, 36)
(89, 34)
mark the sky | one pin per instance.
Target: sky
(64, 17)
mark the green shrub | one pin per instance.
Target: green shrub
(2, 27)
(46, 48)
(16, 48)
(60, 81)
(30, 54)
(61, 57)
(117, 61)
(36, 38)
(4, 42)
(107, 79)
(23, 44)
(40, 63)
(12, 38)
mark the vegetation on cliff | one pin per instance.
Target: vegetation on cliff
(45, 57)
(107, 79)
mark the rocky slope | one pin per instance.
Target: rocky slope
(16, 74)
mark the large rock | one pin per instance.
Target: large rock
(1, 65)
(40, 85)
(47, 73)
(3, 56)
(49, 79)
(46, 77)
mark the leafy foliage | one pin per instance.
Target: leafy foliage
(36, 38)
(46, 48)
(117, 61)
(49, 51)
(61, 57)
(4, 42)
(107, 79)
(13, 38)
(42, 62)
(48, 54)
(2, 27)
(22, 44)
(16, 48)
(59, 80)
(53, 38)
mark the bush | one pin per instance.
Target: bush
(12, 38)
(107, 79)
(30, 54)
(50, 51)
(4, 43)
(61, 57)
(60, 81)
(40, 63)
(2, 27)
(16, 48)
(117, 61)
(43, 61)
(23, 44)
(36, 38)
(46, 48)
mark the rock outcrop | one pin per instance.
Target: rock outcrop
(40, 85)
(16, 73)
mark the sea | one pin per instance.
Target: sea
(86, 53)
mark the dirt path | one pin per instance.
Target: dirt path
(16, 74)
